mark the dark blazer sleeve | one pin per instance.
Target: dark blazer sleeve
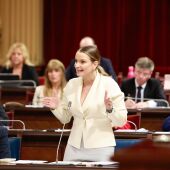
(3, 116)
(107, 65)
(70, 71)
(5, 70)
(4, 144)
(154, 90)
(128, 87)
(29, 73)
(166, 124)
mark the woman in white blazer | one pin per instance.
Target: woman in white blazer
(54, 83)
(96, 103)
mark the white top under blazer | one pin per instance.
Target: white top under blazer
(91, 122)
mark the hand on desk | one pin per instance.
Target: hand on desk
(51, 102)
(133, 105)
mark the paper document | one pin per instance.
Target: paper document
(30, 161)
(76, 163)
(7, 160)
(162, 133)
(33, 106)
(132, 130)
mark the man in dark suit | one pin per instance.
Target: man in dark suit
(4, 144)
(143, 91)
(105, 62)
(3, 116)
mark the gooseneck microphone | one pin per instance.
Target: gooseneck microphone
(19, 121)
(147, 99)
(59, 142)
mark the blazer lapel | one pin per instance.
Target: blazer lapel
(146, 91)
(132, 89)
(91, 94)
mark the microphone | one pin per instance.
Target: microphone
(61, 135)
(147, 99)
(20, 121)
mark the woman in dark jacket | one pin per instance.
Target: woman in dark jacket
(18, 63)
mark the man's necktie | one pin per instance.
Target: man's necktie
(139, 94)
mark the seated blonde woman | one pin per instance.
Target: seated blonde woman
(18, 63)
(54, 83)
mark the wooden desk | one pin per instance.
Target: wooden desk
(37, 118)
(51, 167)
(14, 94)
(147, 155)
(151, 118)
(41, 145)
(42, 118)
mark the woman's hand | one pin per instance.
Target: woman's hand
(51, 102)
(108, 102)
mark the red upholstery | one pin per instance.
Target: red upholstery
(136, 119)
(41, 80)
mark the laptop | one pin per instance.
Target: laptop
(7, 78)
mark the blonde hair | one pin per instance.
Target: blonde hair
(94, 55)
(54, 64)
(24, 51)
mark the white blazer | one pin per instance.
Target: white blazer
(38, 95)
(91, 122)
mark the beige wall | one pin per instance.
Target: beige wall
(22, 21)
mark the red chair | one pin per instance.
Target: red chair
(136, 119)
(41, 80)
(132, 123)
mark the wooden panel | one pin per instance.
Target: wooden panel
(37, 118)
(151, 118)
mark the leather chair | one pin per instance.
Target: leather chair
(15, 147)
(124, 143)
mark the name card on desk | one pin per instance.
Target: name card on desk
(167, 81)
(30, 162)
(33, 106)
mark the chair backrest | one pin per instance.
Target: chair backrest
(11, 105)
(15, 147)
(136, 119)
(132, 123)
(124, 143)
(41, 80)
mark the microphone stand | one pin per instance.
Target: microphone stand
(59, 142)
(20, 121)
(147, 99)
